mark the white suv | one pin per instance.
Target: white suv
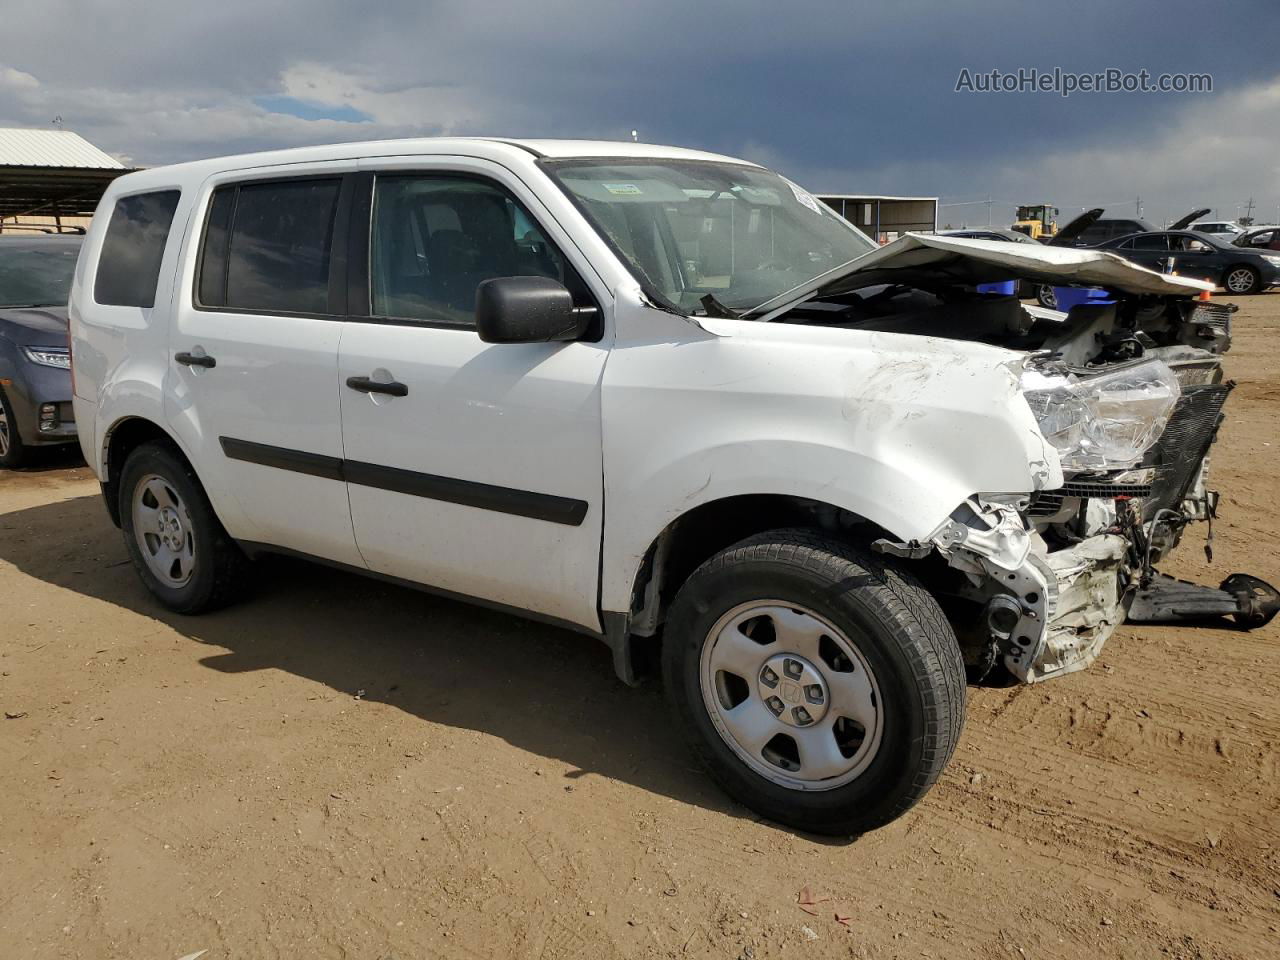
(648, 394)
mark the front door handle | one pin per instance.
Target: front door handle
(193, 360)
(365, 385)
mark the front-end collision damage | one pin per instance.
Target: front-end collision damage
(1047, 613)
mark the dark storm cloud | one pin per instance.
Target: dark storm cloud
(844, 96)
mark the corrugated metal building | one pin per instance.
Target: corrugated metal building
(885, 218)
(51, 178)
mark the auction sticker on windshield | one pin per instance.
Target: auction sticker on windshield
(623, 189)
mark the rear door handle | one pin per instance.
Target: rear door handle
(192, 360)
(365, 385)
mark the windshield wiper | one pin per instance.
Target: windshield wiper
(711, 307)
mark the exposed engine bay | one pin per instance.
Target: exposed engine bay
(1129, 389)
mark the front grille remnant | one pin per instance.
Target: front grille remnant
(1182, 447)
(1211, 314)
(1101, 490)
(1045, 503)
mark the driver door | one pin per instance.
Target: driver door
(480, 472)
(1194, 258)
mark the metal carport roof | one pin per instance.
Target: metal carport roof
(52, 173)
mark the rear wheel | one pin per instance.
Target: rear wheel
(1241, 280)
(1046, 297)
(13, 452)
(821, 687)
(177, 544)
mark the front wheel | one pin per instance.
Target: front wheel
(13, 452)
(1046, 297)
(1242, 280)
(821, 687)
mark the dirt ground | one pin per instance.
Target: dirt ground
(339, 768)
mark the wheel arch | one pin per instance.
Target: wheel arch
(122, 438)
(699, 533)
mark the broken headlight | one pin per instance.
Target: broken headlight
(1103, 422)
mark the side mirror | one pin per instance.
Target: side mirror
(527, 310)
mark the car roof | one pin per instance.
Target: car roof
(1194, 234)
(1006, 232)
(519, 151)
(38, 241)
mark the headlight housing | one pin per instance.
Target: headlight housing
(58, 357)
(1104, 422)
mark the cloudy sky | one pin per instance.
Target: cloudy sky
(842, 96)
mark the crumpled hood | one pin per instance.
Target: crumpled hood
(34, 326)
(961, 260)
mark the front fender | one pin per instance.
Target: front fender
(896, 429)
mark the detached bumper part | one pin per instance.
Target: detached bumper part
(1049, 612)
(1249, 601)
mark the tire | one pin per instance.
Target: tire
(892, 648)
(1241, 280)
(13, 452)
(1045, 296)
(176, 542)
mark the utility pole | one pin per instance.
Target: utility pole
(1137, 208)
(988, 211)
(1248, 211)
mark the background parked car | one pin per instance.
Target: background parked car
(35, 375)
(1219, 228)
(1025, 287)
(1260, 238)
(1091, 229)
(1202, 256)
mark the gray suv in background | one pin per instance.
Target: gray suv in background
(35, 365)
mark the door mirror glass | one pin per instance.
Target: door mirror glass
(527, 310)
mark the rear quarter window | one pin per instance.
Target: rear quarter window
(129, 264)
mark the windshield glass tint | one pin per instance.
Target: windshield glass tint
(692, 228)
(32, 275)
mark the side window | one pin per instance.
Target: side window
(266, 246)
(435, 238)
(129, 265)
(1126, 245)
(1189, 245)
(1151, 241)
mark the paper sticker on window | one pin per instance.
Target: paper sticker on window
(622, 189)
(804, 197)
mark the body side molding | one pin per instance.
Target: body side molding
(483, 496)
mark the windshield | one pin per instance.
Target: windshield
(35, 274)
(689, 229)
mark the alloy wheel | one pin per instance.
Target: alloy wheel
(1240, 280)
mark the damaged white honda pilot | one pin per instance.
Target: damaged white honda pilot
(667, 399)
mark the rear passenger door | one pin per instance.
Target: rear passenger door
(481, 473)
(253, 357)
